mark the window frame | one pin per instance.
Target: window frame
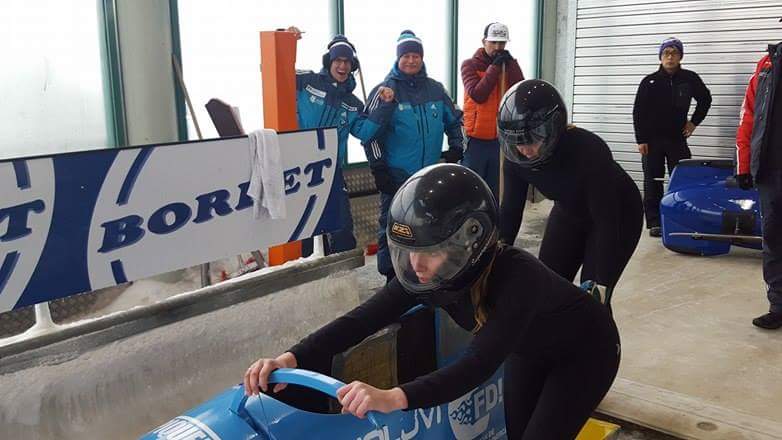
(112, 70)
(337, 18)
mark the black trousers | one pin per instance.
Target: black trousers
(551, 399)
(660, 152)
(770, 192)
(570, 242)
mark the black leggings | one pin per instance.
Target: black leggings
(552, 400)
(671, 151)
(569, 243)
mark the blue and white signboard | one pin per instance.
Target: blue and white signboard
(77, 222)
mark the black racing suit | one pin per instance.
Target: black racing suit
(659, 115)
(596, 220)
(560, 347)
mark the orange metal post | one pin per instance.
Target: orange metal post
(278, 75)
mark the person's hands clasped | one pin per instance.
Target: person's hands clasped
(501, 58)
(256, 378)
(358, 398)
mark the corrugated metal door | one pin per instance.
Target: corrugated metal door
(616, 46)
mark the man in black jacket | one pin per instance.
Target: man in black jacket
(661, 124)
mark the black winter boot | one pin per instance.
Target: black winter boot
(770, 321)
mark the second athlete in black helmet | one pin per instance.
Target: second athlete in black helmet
(597, 216)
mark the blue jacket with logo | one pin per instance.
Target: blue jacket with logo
(406, 134)
(323, 102)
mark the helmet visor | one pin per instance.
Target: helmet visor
(427, 269)
(529, 146)
(524, 136)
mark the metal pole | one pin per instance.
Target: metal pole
(452, 36)
(337, 17)
(178, 71)
(501, 188)
(317, 246)
(363, 89)
(259, 259)
(43, 317)
(206, 278)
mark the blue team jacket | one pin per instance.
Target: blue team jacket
(323, 102)
(407, 134)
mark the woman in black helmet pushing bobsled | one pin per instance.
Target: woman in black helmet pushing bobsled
(597, 216)
(560, 346)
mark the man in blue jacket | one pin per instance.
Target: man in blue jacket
(326, 99)
(406, 116)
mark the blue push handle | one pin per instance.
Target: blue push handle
(320, 382)
(310, 379)
(306, 378)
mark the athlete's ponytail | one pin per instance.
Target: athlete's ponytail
(479, 293)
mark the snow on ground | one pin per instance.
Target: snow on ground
(155, 289)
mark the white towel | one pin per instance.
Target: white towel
(266, 179)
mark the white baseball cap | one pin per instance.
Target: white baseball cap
(496, 32)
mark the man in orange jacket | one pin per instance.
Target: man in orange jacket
(759, 151)
(482, 75)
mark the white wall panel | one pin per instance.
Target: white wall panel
(616, 46)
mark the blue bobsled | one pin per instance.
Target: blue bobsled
(232, 415)
(479, 413)
(704, 211)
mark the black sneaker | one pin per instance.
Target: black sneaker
(655, 231)
(770, 321)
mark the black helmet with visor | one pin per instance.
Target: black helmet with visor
(532, 116)
(442, 231)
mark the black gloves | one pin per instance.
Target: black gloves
(744, 181)
(501, 57)
(454, 155)
(383, 181)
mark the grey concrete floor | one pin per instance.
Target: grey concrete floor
(693, 364)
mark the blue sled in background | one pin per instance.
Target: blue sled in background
(704, 211)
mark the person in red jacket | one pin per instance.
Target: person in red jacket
(759, 152)
(482, 76)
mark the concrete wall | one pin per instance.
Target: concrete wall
(558, 41)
